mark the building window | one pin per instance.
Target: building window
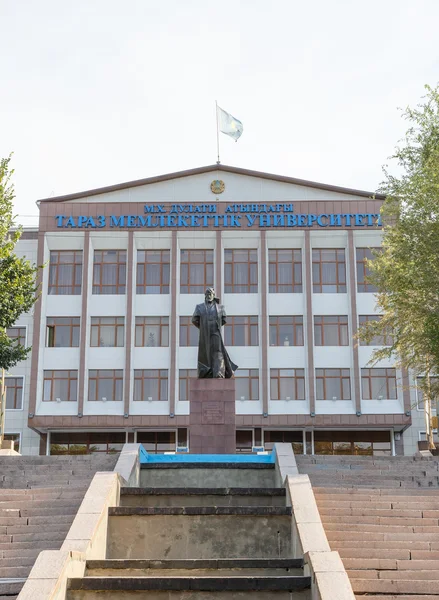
(109, 271)
(286, 331)
(184, 376)
(295, 438)
(361, 443)
(18, 334)
(60, 386)
(107, 332)
(241, 331)
(420, 394)
(285, 271)
(105, 385)
(378, 384)
(247, 384)
(152, 331)
(287, 384)
(331, 331)
(86, 443)
(333, 384)
(13, 437)
(196, 271)
(65, 272)
(62, 332)
(153, 271)
(329, 271)
(150, 384)
(14, 393)
(157, 442)
(240, 271)
(244, 441)
(189, 334)
(363, 255)
(378, 340)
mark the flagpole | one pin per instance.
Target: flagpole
(217, 135)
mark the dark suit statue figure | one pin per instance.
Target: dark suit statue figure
(213, 360)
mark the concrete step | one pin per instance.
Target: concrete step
(15, 572)
(396, 587)
(11, 588)
(199, 532)
(203, 497)
(257, 588)
(224, 567)
(335, 520)
(211, 475)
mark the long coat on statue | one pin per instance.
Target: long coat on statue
(213, 359)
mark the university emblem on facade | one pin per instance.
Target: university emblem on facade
(217, 186)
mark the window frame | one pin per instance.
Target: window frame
(185, 327)
(118, 325)
(120, 284)
(338, 283)
(184, 376)
(344, 375)
(53, 378)
(196, 288)
(51, 331)
(165, 271)
(278, 374)
(362, 319)
(74, 291)
(273, 259)
(230, 329)
(367, 375)
(234, 287)
(19, 337)
(361, 269)
(16, 387)
(340, 325)
(253, 375)
(117, 375)
(163, 327)
(162, 375)
(297, 325)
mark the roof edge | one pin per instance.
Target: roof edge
(207, 169)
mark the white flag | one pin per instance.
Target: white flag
(229, 125)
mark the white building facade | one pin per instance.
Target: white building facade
(114, 349)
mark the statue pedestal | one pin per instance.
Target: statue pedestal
(212, 416)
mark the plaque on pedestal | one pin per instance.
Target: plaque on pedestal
(212, 416)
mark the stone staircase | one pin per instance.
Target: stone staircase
(39, 497)
(382, 515)
(198, 531)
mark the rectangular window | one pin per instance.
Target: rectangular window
(18, 334)
(363, 255)
(244, 440)
(60, 386)
(65, 272)
(331, 331)
(287, 384)
(295, 438)
(109, 271)
(14, 393)
(377, 340)
(107, 332)
(378, 384)
(153, 271)
(157, 442)
(152, 332)
(285, 271)
(420, 394)
(247, 384)
(184, 376)
(150, 384)
(105, 385)
(286, 331)
(62, 332)
(240, 271)
(333, 384)
(189, 334)
(329, 271)
(13, 437)
(86, 443)
(196, 271)
(241, 331)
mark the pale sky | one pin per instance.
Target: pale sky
(97, 92)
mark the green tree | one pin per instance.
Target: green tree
(17, 284)
(406, 269)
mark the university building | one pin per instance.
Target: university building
(113, 347)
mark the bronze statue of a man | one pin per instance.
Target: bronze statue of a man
(213, 360)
